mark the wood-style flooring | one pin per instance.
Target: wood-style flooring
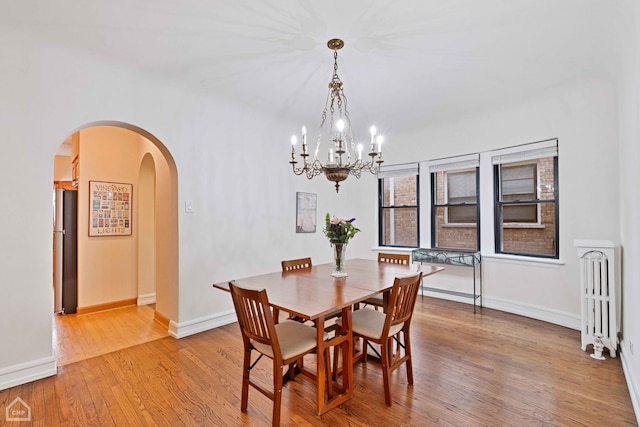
(79, 337)
(488, 369)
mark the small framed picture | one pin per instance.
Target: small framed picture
(306, 212)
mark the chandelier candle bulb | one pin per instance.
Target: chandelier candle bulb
(293, 144)
(372, 130)
(304, 139)
(359, 151)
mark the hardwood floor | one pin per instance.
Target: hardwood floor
(79, 337)
(488, 369)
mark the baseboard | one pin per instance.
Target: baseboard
(27, 372)
(545, 314)
(632, 384)
(106, 306)
(147, 299)
(161, 319)
(184, 329)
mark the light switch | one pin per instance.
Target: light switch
(188, 206)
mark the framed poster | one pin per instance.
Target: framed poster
(109, 208)
(306, 204)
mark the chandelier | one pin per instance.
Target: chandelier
(344, 158)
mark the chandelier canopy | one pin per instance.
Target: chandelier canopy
(344, 158)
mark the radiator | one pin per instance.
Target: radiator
(598, 292)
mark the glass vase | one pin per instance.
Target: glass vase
(339, 251)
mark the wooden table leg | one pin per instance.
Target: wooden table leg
(325, 400)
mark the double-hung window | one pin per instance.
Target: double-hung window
(526, 200)
(455, 213)
(399, 206)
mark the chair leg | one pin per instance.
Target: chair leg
(277, 393)
(386, 371)
(245, 380)
(407, 352)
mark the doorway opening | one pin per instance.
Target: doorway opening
(127, 283)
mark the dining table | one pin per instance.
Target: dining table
(313, 294)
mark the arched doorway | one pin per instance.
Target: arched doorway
(141, 268)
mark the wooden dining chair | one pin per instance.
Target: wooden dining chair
(292, 265)
(284, 343)
(390, 330)
(296, 264)
(300, 264)
(403, 259)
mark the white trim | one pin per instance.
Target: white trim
(393, 249)
(632, 384)
(557, 317)
(27, 372)
(522, 260)
(424, 197)
(147, 299)
(190, 327)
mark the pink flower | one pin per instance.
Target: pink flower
(335, 220)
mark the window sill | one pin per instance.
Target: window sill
(523, 260)
(523, 225)
(393, 249)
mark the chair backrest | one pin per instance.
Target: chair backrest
(296, 264)
(255, 317)
(394, 258)
(402, 301)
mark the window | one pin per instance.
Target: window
(526, 201)
(461, 197)
(519, 183)
(454, 203)
(398, 206)
(502, 201)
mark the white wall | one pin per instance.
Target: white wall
(146, 202)
(107, 265)
(629, 176)
(231, 161)
(582, 115)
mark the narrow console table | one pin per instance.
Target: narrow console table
(460, 258)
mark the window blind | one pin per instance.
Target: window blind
(405, 169)
(454, 163)
(534, 151)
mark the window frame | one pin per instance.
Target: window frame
(382, 208)
(498, 204)
(446, 205)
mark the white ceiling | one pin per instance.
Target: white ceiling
(405, 62)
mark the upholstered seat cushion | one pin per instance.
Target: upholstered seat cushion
(369, 323)
(375, 300)
(295, 338)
